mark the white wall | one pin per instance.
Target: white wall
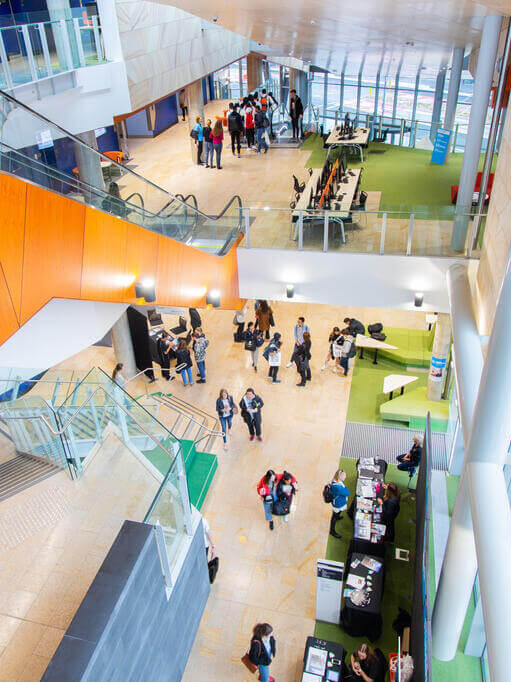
(58, 331)
(345, 279)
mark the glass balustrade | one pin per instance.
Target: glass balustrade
(29, 52)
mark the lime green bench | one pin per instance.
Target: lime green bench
(414, 346)
(412, 407)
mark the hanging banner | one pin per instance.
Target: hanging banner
(437, 368)
(442, 140)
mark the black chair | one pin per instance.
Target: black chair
(182, 326)
(411, 474)
(155, 320)
(298, 186)
(361, 206)
(382, 137)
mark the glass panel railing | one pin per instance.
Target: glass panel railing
(37, 150)
(417, 232)
(41, 49)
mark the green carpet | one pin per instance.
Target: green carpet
(399, 574)
(407, 179)
(312, 141)
(317, 158)
(412, 408)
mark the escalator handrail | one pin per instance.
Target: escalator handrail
(231, 200)
(76, 139)
(136, 194)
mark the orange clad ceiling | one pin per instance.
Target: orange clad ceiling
(53, 247)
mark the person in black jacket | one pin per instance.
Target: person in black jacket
(250, 406)
(355, 326)
(183, 357)
(235, 125)
(390, 509)
(195, 320)
(166, 353)
(302, 358)
(296, 114)
(225, 409)
(411, 459)
(262, 649)
(261, 123)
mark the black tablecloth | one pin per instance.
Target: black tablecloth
(376, 549)
(360, 621)
(334, 648)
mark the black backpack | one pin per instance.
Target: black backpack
(353, 350)
(378, 336)
(375, 328)
(327, 494)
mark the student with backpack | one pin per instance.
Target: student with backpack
(337, 493)
(272, 355)
(250, 125)
(235, 125)
(254, 339)
(348, 351)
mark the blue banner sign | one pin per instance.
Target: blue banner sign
(443, 137)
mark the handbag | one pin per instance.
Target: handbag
(248, 663)
(213, 569)
(272, 321)
(336, 350)
(250, 344)
(274, 359)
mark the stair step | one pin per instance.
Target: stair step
(22, 472)
(200, 477)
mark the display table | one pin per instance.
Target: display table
(333, 655)
(359, 140)
(393, 382)
(368, 342)
(364, 621)
(369, 533)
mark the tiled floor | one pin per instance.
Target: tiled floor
(46, 569)
(263, 575)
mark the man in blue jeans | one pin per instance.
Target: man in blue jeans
(300, 329)
(411, 459)
(200, 343)
(259, 121)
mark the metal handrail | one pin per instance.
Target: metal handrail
(211, 432)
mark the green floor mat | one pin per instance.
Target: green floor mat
(316, 159)
(312, 141)
(408, 180)
(200, 477)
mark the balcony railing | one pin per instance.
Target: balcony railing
(32, 52)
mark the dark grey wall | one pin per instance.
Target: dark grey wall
(125, 629)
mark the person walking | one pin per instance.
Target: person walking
(273, 355)
(340, 494)
(118, 376)
(164, 349)
(411, 459)
(286, 488)
(200, 343)
(302, 359)
(217, 136)
(183, 358)
(198, 136)
(250, 124)
(299, 330)
(260, 122)
(262, 650)
(264, 315)
(250, 406)
(182, 102)
(267, 490)
(333, 336)
(226, 409)
(195, 319)
(235, 126)
(296, 114)
(254, 339)
(348, 350)
(208, 145)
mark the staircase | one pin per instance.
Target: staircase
(23, 471)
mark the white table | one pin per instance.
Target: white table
(392, 382)
(368, 342)
(346, 192)
(360, 139)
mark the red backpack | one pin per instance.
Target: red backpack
(249, 120)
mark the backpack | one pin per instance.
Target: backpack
(375, 328)
(194, 133)
(378, 336)
(249, 119)
(327, 494)
(353, 350)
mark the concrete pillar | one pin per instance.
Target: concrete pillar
(478, 110)
(454, 88)
(195, 102)
(298, 82)
(439, 357)
(437, 103)
(89, 167)
(123, 346)
(254, 72)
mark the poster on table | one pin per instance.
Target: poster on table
(329, 591)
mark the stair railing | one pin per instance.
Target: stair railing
(210, 433)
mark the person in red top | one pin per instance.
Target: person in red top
(273, 488)
(250, 125)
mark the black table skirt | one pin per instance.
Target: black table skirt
(364, 621)
(376, 549)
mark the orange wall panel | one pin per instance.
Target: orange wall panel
(8, 322)
(53, 249)
(104, 276)
(141, 257)
(12, 233)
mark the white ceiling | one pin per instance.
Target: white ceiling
(324, 32)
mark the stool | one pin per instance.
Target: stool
(411, 474)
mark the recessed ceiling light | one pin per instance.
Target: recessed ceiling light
(312, 21)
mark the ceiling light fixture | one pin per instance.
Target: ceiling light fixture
(419, 300)
(146, 289)
(213, 298)
(290, 290)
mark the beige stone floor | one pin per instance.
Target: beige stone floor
(48, 563)
(263, 575)
(264, 183)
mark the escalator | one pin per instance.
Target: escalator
(41, 152)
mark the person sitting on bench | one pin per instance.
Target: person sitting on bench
(411, 459)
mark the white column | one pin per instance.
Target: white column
(441, 345)
(123, 346)
(89, 166)
(195, 102)
(478, 110)
(454, 88)
(459, 566)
